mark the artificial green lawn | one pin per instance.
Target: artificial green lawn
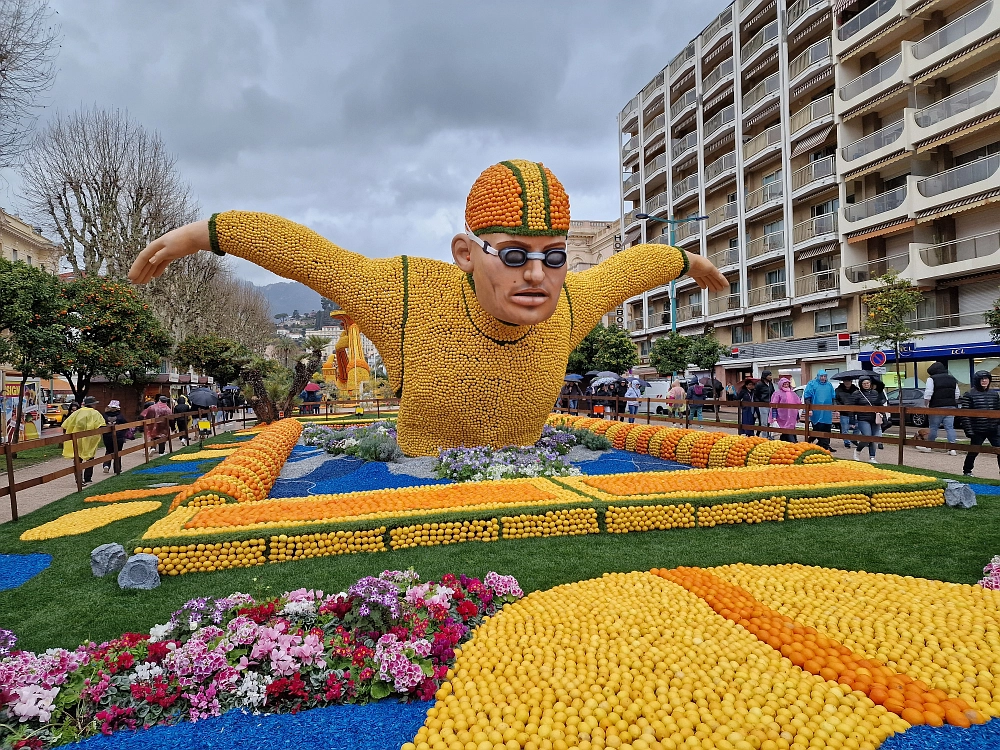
(65, 604)
(34, 456)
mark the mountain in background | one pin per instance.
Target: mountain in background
(288, 296)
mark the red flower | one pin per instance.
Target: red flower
(467, 609)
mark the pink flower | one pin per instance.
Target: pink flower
(34, 702)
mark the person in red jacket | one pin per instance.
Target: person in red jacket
(160, 429)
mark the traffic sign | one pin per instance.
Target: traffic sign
(878, 358)
(880, 370)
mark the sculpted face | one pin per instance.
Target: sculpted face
(523, 295)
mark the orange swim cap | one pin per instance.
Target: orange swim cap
(518, 197)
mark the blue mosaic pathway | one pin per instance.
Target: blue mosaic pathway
(17, 570)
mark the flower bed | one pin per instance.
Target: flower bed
(375, 441)
(385, 636)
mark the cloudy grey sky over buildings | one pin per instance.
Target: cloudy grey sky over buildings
(368, 121)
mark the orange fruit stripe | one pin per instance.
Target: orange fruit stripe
(820, 655)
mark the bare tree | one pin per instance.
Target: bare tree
(105, 186)
(28, 45)
(240, 312)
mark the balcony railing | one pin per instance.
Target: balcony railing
(824, 281)
(716, 26)
(686, 143)
(873, 269)
(768, 86)
(630, 107)
(948, 320)
(796, 11)
(653, 127)
(661, 239)
(689, 312)
(817, 226)
(656, 319)
(631, 145)
(768, 34)
(814, 171)
(881, 72)
(769, 137)
(636, 324)
(953, 31)
(811, 112)
(630, 217)
(652, 86)
(728, 303)
(770, 192)
(817, 53)
(722, 213)
(879, 204)
(720, 165)
(688, 183)
(956, 251)
(873, 141)
(723, 117)
(631, 181)
(678, 62)
(957, 103)
(766, 244)
(868, 16)
(687, 229)
(657, 202)
(769, 293)
(728, 257)
(959, 177)
(689, 98)
(720, 71)
(656, 165)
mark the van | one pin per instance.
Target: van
(656, 389)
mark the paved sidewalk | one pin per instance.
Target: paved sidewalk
(34, 498)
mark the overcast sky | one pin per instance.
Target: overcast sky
(369, 121)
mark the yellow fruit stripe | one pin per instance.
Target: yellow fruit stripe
(903, 500)
(619, 520)
(286, 548)
(757, 511)
(834, 505)
(573, 522)
(114, 497)
(634, 661)
(207, 453)
(449, 532)
(207, 558)
(83, 521)
(946, 634)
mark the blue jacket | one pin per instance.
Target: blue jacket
(820, 394)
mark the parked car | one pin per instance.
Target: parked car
(911, 397)
(53, 415)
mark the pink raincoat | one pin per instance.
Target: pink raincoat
(785, 395)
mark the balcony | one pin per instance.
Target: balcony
(811, 116)
(657, 202)
(963, 106)
(722, 216)
(684, 145)
(686, 232)
(723, 19)
(654, 128)
(863, 276)
(765, 295)
(766, 90)
(815, 231)
(630, 110)
(630, 148)
(631, 185)
(967, 255)
(815, 283)
(887, 206)
(720, 305)
(656, 166)
(728, 257)
(763, 39)
(965, 319)
(721, 118)
(803, 10)
(661, 239)
(685, 102)
(721, 166)
(682, 61)
(658, 319)
(630, 218)
(816, 175)
(689, 312)
(970, 28)
(636, 324)
(688, 185)
(958, 183)
(872, 18)
(874, 146)
(720, 72)
(765, 197)
(652, 88)
(766, 244)
(814, 58)
(879, 79)
(765, 144)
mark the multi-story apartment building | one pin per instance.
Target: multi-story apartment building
(822, 143)
(590, 242)
(20, 241)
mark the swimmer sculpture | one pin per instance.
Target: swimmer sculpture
(477, 350)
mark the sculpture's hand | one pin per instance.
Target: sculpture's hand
(705, 274)
(154, 259)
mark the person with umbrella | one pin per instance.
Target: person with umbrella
(632, 394)
(842, 396)
(748, 415)
(310, 398)
(869, 423)
(676, 397)
(181, 409)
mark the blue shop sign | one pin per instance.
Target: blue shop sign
(910, 352)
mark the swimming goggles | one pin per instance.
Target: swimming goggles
(515, 257)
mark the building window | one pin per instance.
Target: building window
(824, 208)
(774, 226)
(13, 255)
(773, 177)
(825, 263)
(734, 288)
(644, 348)
(742, 334)
(779, 329)
(828, 321)
(777, 276)
(29, 260)
(734, 242)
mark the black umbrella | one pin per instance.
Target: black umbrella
(642, 383)
(203, 397)
(608, 374)
(591, 373)
(856, 375)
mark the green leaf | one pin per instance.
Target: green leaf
(380, 690)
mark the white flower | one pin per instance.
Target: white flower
(195, 622)
(144, 671)
(299, 609)
(159, 633)
(253, 689)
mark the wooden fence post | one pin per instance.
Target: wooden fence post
(805, 419)
(902, 434)
(116, 460)
(76, 465)
(170, 438)
(647, 411)
(145, 439)
(9, 458)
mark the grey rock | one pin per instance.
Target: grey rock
(140, 573)
(959, 495)
(421, 467)
(578, 453)
(108, 558)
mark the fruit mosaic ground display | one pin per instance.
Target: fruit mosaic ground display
(665, 605)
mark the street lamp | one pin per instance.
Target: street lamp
(671, 222)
